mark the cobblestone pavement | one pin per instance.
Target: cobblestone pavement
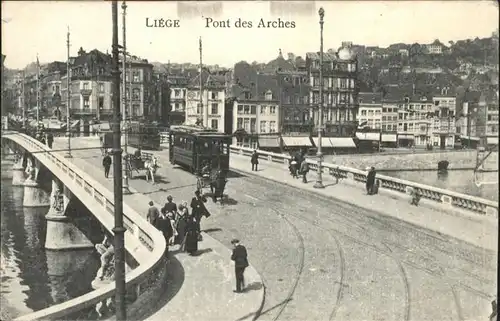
(323, 259)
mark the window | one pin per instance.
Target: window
(136, 110)
(85, 85)
(127, 93)
(384, 128)
(269, 95)
(383, 117)
(240, 109)
(198, 109)
(370, 113)
(86, 102)
(253, 125)
(239, 123)
(272, 110)
(246, 109)
(214, 95)
(246, 124)
(263, 109)
(263, 126)
(177, 93)
(215, 109)
(384, 110)
(343, 83)
(215, 123)
(136, 94)
(127, 77)
(136, 76)
(253, 110)
(176, 106)
(272, 126)
(101, 88)
(363, 113)
(101, 102)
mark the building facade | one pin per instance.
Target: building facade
(293, 97)
(370, 110)
(340, 90)
(211, 112)
(444, 119)
(140, 89)
(415, 121)
(178, 89)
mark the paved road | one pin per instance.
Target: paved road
(324, 259)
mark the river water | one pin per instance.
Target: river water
(33, 278)
(461, 181)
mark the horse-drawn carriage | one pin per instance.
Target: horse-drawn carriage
(141, 161)
(205, 153)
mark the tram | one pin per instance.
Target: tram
(144, 135)
(193, 147)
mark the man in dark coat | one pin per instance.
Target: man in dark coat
(370, 180)
(255, 160)
(240, 259)
(170, 206)
(198, 209)
(191, 245)
(50, 139)
(106, 162)
(153, 214)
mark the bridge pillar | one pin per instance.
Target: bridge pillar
(18, 171)
(34, 196)
(62, 234)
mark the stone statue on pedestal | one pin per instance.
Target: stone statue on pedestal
(107, 251)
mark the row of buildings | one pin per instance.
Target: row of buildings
(258, 104)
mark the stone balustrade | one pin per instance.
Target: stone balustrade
(142, 241)
(440, 196)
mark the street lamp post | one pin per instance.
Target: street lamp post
(118, 230)
(124, 98)
(319, 180)
(68, 99)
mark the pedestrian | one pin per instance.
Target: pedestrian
(255, 160)
(240, 259)
(170, 206)
(191, 244)
(50, 139)
(153, 214)
(106, 162)
(165, 226)
(180, 225)
(304, 169)
(370, 180)
(198, 209)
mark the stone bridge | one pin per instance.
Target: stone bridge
(144, 245)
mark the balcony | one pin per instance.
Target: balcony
(86, 92)
(83, 111)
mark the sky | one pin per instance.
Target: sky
(40, 27)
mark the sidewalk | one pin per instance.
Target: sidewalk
(475, 229)
(199, 287)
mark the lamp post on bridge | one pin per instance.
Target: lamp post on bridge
(68, 99)
(124, 98)
(118, 230)
(319, 180)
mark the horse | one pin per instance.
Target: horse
(151, 165)
(217, 185)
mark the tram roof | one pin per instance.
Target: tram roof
(196, 130)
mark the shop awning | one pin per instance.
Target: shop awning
(342, 142)
(368, 136)
(325, 142)
(406, 136)
(389, 138)
(269, 142)
(492, 140)
(469, 137)
(292, 141)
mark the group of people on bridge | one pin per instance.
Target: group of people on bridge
(178, 224)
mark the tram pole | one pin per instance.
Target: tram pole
(124, 98)
(118, 230)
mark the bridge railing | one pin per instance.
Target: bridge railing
(144, 242)
(441, 196)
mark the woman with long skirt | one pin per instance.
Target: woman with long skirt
(180, 225)
(165, 226)
(191, 236)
